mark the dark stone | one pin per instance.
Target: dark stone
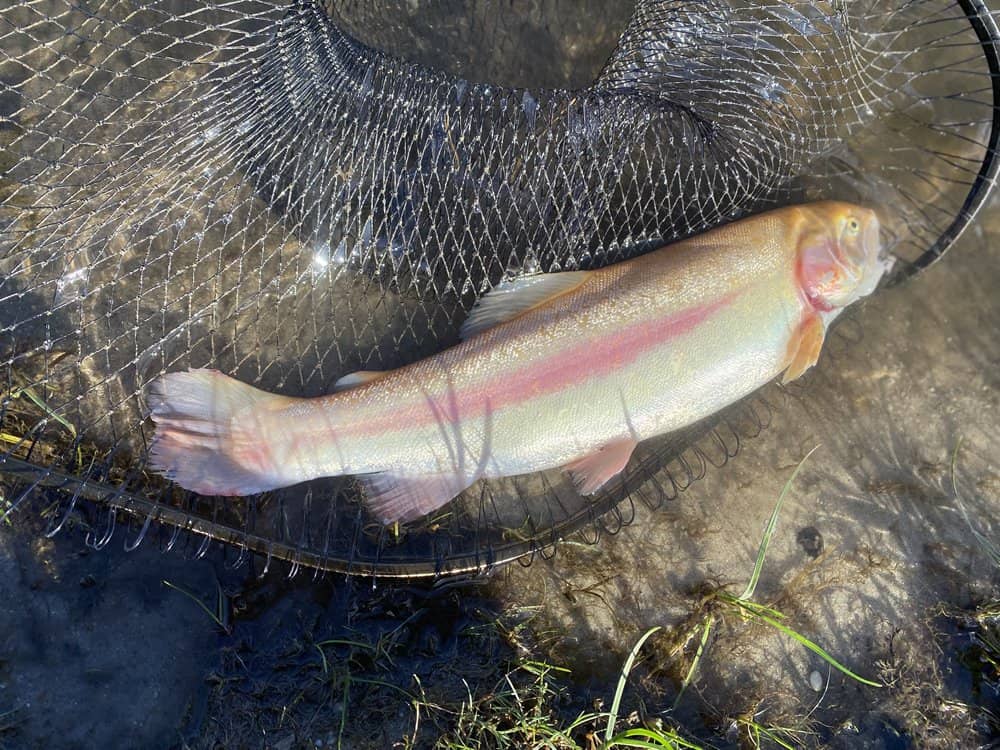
(810, 540)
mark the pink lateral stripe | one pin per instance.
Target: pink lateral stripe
(564, 369)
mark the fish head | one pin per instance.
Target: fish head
(840, 256)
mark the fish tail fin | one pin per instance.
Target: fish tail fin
(209, 437)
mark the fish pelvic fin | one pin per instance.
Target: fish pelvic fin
(595, 470)
(209, 437)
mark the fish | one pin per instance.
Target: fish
(567, 370)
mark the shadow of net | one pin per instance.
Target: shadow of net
(249, 186)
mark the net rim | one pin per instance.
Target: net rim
(987, 31)
(483, 559)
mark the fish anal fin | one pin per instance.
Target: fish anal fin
(510, 299)
(805, 347)
(394, 497)
(356, 379)
(593, 471)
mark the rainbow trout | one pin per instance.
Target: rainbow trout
(567, 370)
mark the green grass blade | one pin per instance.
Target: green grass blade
(751, 607)
(382, 683)
(208, 611)
(776, 739)
(541, 668)
(818, 650)
(37, 401)
(345, 642)
(707, 628)
(343, 711)
(772, 524)
(326, 664)
(651, 738)
(622, 679)
(756, 731)
(30, 393)
(625, 742)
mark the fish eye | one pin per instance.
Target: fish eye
(853, 225)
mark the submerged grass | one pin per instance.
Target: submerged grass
(719, 602)
(383, 675)
(9, 721)
(25, 390)
(622, 680)
(516, 715)
(524, 713)
(757, 735)
(219, 615)
(379, 681)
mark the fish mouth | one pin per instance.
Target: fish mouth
(878, 251)
(878, 261)
(871, 240)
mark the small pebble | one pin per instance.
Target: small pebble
(816, 681)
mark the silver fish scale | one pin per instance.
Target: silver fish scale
(291, 191)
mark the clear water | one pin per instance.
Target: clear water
(913, 375)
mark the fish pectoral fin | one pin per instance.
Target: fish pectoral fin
(395, 497)
(509, 299)
(355, 379)
(804, 348)
(592, 472)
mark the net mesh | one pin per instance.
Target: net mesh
(247, 186)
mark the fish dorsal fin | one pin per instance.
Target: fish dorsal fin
(509, 299)
(355, 379)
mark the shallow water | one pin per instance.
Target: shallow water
(149, 668)
(887, 414)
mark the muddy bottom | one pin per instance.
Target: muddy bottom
(873, 560)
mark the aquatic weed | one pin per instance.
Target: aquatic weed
(26, 389)
(746, 608)
(220, 615)
(9, 721)
(788, 738)
(522, 712)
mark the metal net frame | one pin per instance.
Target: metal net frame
(245, 185)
